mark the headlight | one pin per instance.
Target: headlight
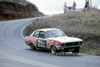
(81, 42)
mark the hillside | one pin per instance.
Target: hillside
(85, 25)
(17, 9)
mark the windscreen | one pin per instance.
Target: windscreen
(55, 33)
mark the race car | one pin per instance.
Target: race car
(54, 40)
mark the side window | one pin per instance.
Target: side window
(36, 34)
(41, 34)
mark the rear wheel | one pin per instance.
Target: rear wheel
(32, 47)
(53, 50)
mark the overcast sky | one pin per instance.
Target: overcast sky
(56, 6)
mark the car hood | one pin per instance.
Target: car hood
(65, 39)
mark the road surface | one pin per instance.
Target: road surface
(15, 53)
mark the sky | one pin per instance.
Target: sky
(49, 7)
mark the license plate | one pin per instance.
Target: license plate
(71, 49)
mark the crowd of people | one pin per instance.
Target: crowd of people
(66, 8)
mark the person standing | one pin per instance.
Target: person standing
(86, 5)
(65, 7)
(74, 5)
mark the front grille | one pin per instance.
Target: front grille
(71, 44)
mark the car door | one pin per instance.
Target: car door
(41, 42)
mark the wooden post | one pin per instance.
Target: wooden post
(88, 4)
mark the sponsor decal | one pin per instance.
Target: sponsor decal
(53, 42)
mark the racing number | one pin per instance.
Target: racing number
(41, 43)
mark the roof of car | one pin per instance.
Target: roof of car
(47, 29)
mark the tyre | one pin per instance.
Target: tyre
(32, 47)
(53, 50)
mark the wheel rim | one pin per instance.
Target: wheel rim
(53, 49)
(32, 47)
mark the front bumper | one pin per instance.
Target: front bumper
(69, 48)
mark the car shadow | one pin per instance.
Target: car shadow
(44, 52)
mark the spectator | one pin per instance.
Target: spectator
(86, 5)
(65, 7)
(74, 5)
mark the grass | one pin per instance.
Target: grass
(85, 25)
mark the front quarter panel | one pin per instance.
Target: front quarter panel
(52, 42)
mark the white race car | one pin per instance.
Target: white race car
(53, 39)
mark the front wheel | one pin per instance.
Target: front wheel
(53, 50)
(76, 51)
